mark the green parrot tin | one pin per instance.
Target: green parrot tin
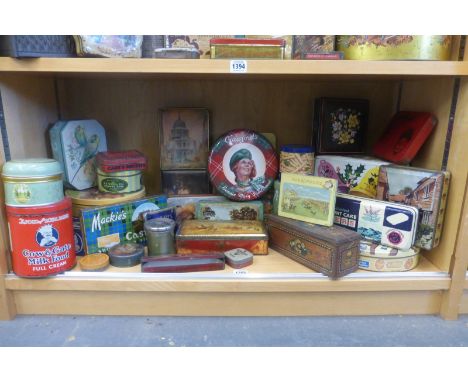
(75, 144)
(32, 182)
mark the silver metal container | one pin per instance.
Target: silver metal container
(160, 236)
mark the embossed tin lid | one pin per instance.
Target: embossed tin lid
(92, 197)
(242, 165)
(126, 255)
(32, 168)
(238, 257)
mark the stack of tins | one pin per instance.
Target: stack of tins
(92, 198)
(39, 218)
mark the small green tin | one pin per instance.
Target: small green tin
(32, 182)
(119, 182)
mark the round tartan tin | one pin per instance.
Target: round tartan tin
(41, 239)
(242, 165)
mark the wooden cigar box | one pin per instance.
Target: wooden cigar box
(204, 236)
(333, 251)
(183, 263)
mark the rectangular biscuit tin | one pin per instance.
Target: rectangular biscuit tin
(355, 175)
(381, 222)
(333, 251)
(107, 226)
(240, 48)
(203, 236)
(207, 210)
(424, 189)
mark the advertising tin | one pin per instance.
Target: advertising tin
(122, 223)
(355, 175)
(333, 251)
(41, 239)
(75, 145)
(424, 189)
(93, 198)
(199, 42)
(297, 159)
(242, 165)
(288, 40)
(116, 161)
(203, 236)
(120, 182)
(395, 47)
(185, 206)
(247, 48)
(380, 258)
(386, 223)
(207, 210)
(305, 44)
(32, 182)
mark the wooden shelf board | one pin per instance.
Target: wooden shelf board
(213, 68)
(272, 273)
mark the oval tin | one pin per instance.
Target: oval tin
(242, 165)
(380, 258)
(120, 182)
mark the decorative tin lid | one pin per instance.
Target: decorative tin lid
(126, 255)
(114, 161)
(160, 225)
(382, 251)
(242, 165)
(92, 197)
(297, 149)
(32, 168)
(221, 229)
(94, 262)
(238, 256)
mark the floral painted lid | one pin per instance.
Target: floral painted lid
(242, 165)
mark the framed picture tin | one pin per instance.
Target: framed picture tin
(184, 138)
(242, 165)
(185, 182)
(307, 198)
(340, 125)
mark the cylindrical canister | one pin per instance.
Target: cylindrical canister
(41, 239)
(92, 198)
(297, 159)
(32, 182)
(119, 182)
(160, 236)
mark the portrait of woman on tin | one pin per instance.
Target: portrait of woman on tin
(245, 172)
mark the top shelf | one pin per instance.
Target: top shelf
(221, 68)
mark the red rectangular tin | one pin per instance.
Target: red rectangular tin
(114, 161)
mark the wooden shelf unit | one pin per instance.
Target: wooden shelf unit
(277, 96)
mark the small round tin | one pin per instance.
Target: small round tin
(41, 239)
(32, 182)
(297, 159)
(380, 258)
(160, 236)
(95, 262)
(242, 165)
(119, 182)
(126, 255)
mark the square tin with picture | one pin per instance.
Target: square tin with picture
(184, 138)
(185, 182)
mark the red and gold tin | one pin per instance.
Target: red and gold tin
(41, 239)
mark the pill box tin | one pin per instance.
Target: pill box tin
(242, 165)
(424, 189)
(126, 255)
(238, 258)
(94, 262)
(122, 223)
(395, 47)
(75, 145)
(207, 210)
(355, 175)
(116, 161)
(41, 239)
(333, 251)
(380, 258)
(386, 223)
(247, 48)
(203, 236)
(119, 182)
(32, 182)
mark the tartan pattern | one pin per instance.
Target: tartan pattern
(120, 221)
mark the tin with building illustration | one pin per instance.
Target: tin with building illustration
(32, 182)
(41, 239)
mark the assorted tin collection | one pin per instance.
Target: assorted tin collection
(323, 204)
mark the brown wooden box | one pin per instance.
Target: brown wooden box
(333, 251)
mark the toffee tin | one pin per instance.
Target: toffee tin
(32, 182)
(242, 165)
(119, 182)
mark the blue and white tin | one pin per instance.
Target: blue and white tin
(32, 182)
(75, 145)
